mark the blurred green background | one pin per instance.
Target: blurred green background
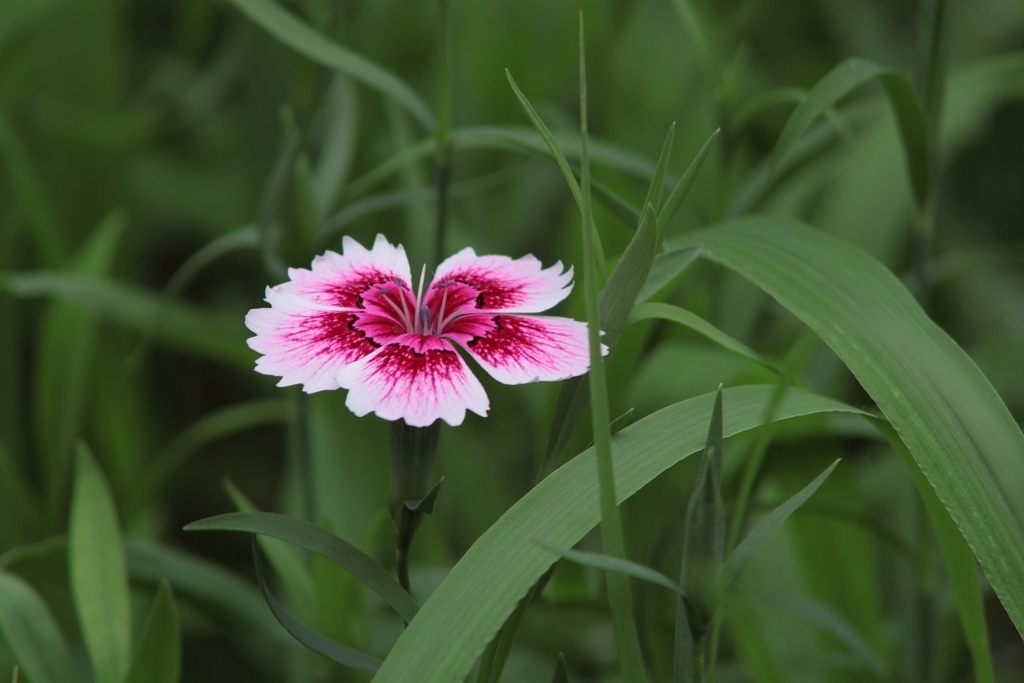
(138, 134)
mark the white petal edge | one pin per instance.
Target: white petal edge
(539, 288)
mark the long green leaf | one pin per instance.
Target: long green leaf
(336, 652)
(960, 563)
(947, 413)
(616, 564)
(512, 138)
(32, 633)
(620, 596)
(64, 366)
(614, 305)
(285, 559)
(182, 326)
(667, 265)
(320, 541)
(216, 425)
(220, 593)
(465, 611)
(697, 324)
(284, 26)
(839, 82)
(682, 188)
(99, 580)
(157, 657)
(767, 526)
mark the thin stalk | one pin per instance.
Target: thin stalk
(413, 450)
(444, 127)
(933, 53)
(619, 595)
(298, 453)
(751, 469)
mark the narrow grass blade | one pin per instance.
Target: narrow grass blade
(683, 317)
(204, 431)
(336, 652)
(682, 188)
(704, 530)
(765, 100)
(549, 140)
(616, 564)
(620, 598)
(200, 332)
(285, 559)
(96, 568)
(767, 526)
(946, 412)
(284, 26)
(666, 267)
(32, 634)
(320, 541)
(614, 305)
(840, 81)
(561, 674)
(63, 367)
(960, 563)
(157, 657)
(212, 589)
(455, 624)
(833, 623)
(657, 186)
(21, 512)
(339, 146)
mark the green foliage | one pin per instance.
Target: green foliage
(161, 164)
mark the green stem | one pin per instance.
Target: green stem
(933, 52)
(413, 450)
(619, 595)
(444, 127)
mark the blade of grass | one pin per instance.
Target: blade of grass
(619, 594)
(32, 634)
(219, 337)
(960, 562)
(682, 187)
(157, 657)
(840, 81)
(458, 620)
(96, 568)
(683, 317)
(767, 526)
(609, 563)
(320, 541)
(336, 652)
(956, 427)
(294, 33)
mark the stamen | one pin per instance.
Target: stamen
(419, 290)
(402, 313)
(423, 322)
(440, 311)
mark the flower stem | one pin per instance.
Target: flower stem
(412, 459)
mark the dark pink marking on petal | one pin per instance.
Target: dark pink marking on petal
(305, 345)
(418, 378)
(515, 349)
(498, 283)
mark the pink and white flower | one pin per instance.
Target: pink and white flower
(352, 321)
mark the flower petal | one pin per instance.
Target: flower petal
(417, 378)
(497, 283)
(515, 349)
(307, 343)
(341, 279)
